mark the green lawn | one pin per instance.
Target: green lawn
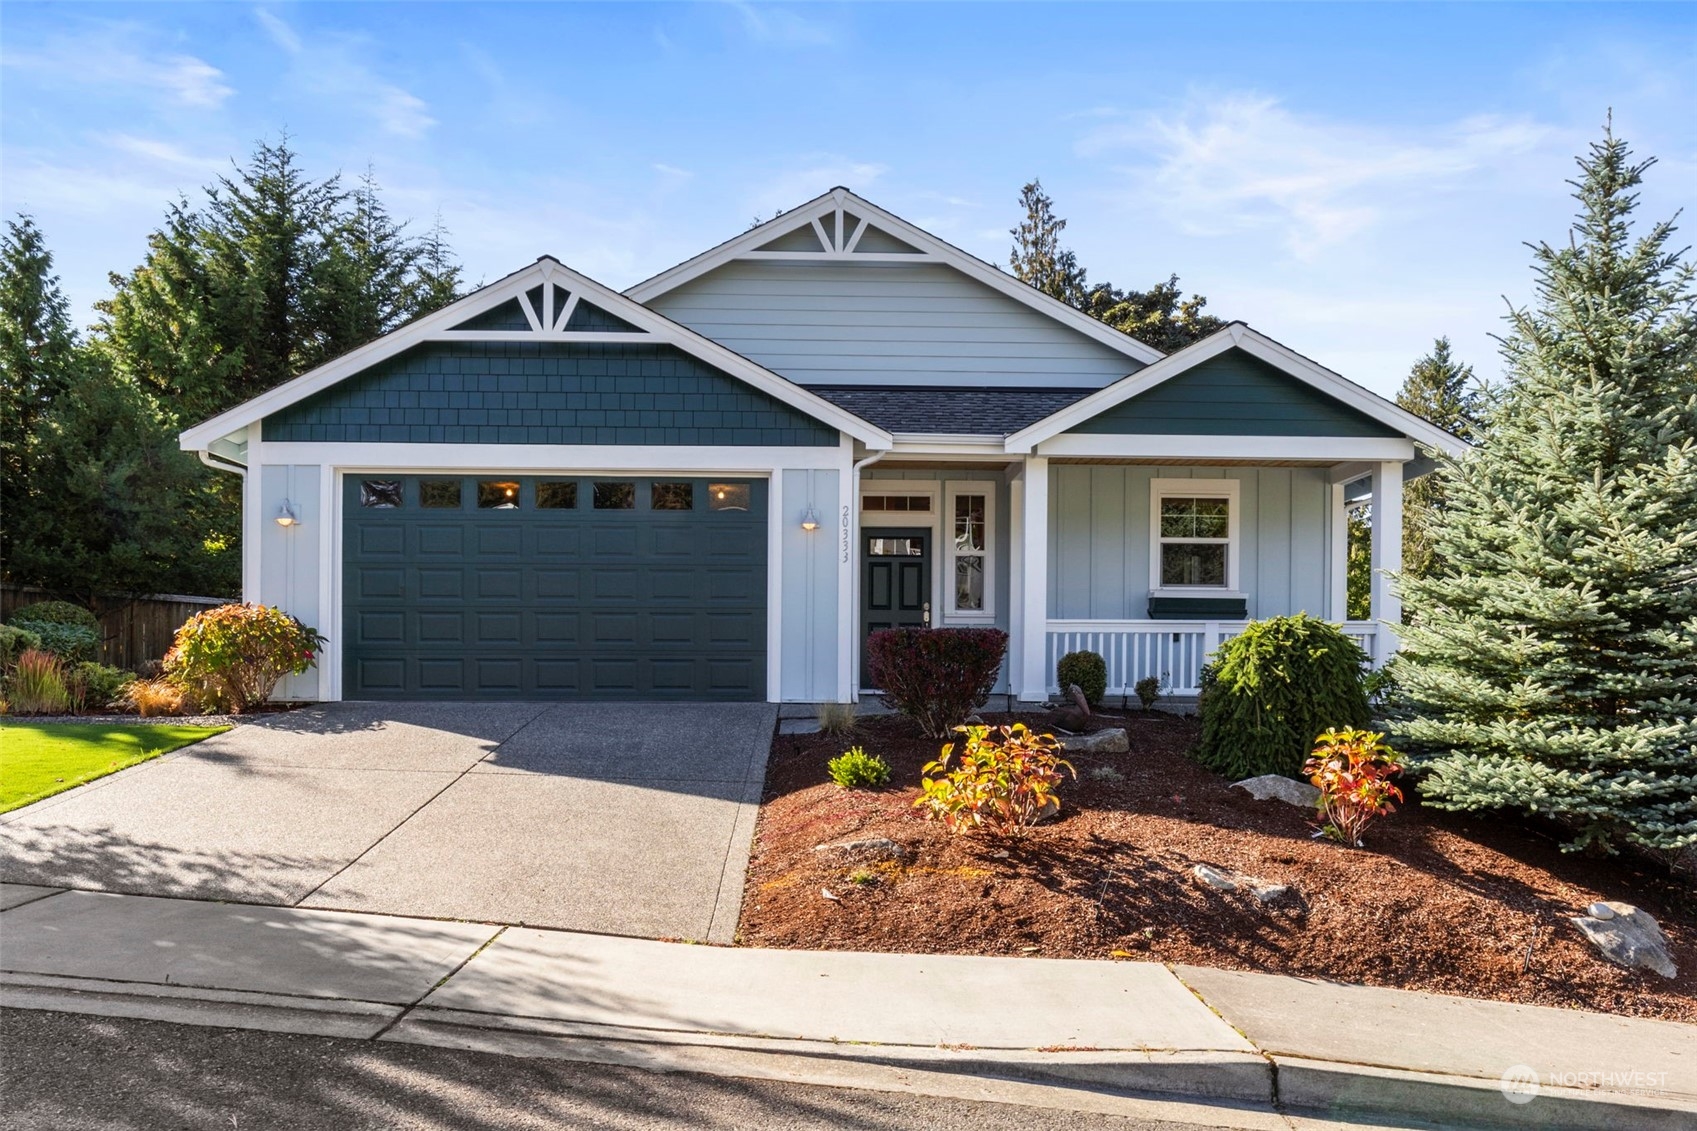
(40, 759)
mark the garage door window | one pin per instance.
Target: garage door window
(727, 496)
(615, 496)
(383, 493)
(672, 497)
(497, 495)
(556, 496)
(439, 494)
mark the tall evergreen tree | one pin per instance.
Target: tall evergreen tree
(439, 280)
(1445, 392)
(1038, 257)
(1551, 662)
(1160, 316)
(37, 355)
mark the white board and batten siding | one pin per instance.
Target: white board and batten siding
(292, 559)
(887, 323)
(809, 584)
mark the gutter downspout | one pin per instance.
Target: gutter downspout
(854, 562)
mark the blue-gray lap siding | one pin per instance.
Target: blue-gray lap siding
(546, 393)
(1234, 394)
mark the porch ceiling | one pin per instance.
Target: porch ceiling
(1187, 462)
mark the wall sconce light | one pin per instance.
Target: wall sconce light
(810, 520)
(286, 515)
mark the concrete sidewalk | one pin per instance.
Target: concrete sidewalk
(1262, 1043)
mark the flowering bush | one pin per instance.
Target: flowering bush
(1004, 783)
(1352, 769)
(935, 676)
(230, 658)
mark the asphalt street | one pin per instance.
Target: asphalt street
(69, 1072)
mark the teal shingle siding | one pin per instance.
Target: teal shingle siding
(1235, 394)
(586, 316)
(546, 393)
(508, 316)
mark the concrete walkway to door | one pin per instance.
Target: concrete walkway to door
(632, 819)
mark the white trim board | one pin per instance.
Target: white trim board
(1258, 345)
(932, 250)
(438, 327)
(1320, 450)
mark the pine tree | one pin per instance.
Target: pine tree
(1445, 392)
(438, 281)
(1038, 257)
(1551, 662)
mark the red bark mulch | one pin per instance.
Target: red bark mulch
(1441, 902)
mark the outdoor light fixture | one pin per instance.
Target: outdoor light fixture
(286, 515)
(810, 520)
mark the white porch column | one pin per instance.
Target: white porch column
(1387, 553)
(1031, 598)
(1338, 559)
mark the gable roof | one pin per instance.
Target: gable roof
(1240, 336)
(949, 410)
(816, 231)
(555, 304)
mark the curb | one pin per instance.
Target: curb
(1245, 1079)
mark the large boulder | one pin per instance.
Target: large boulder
(1111, 741)
(1627, 936)
(1277, 787)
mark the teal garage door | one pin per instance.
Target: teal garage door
(537, 587)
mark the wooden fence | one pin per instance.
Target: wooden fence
(133, 631)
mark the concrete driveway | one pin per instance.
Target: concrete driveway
(632, 819)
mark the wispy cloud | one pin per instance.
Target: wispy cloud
(811, 176)
(1230, 163)
(108, 57)
(781, 26)
(331, 67)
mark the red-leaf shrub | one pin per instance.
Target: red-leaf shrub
(1352, 769)
(230, 658)
(935, 676)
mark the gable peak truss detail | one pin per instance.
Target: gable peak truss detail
(548, 310)
(833, 228)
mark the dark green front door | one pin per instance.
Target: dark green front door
(896, 568)
(544, 587)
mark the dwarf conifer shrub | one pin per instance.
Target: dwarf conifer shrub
(1148, 691)
(936, 676)
(230, 658)
(14, 642)
(68, 631)
(94, 687)
(1086, 669)
(856, 769)
(1276, 686)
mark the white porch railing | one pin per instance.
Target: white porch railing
(1172, 650)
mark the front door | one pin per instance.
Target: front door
(896, 565)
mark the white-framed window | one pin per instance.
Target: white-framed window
(1193, 536)
(969, 517)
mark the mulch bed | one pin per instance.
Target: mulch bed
(1447, 903)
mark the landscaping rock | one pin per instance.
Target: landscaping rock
(1600, 911)
(1628, 937)
(1112, 741)
(1269, 893)
(1277, 787)
(1213, 878)
(869, 848)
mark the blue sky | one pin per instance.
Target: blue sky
(1353, 180)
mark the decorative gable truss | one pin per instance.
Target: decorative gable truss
(545, 302)
(837, 231)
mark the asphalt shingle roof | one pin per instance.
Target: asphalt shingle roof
(931, 409)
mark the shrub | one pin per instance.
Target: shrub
(856, 769)
(936, 676)
(230, 658)
(1352, 769)
(36, 685)
(837, 718)
(68, 631)
(1148, 691)
(14, 642)
(154, 697)
(1086, 669)
(96, 686)
(1274, 688)
(1003, 783)
(55, 612)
